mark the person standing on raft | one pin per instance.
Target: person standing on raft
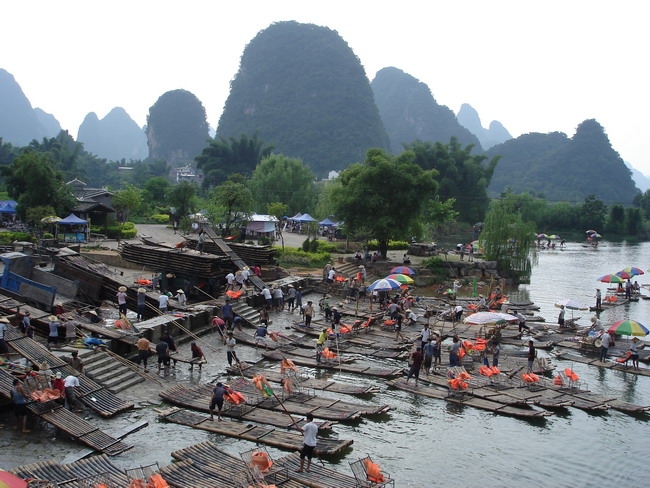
(309, 444)
(217, 400)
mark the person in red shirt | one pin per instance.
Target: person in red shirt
(197, 356)
(416, 362)
(59, 384)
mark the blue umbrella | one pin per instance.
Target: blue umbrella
(384, 284)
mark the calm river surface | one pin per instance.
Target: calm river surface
(434, 443)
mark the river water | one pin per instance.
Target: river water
(434, 443)
(425, 442)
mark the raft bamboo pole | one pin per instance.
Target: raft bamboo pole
(181, 327)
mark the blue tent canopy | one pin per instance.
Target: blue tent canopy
(72, 219)
(8, 206)
(305, 218)
(327, 223)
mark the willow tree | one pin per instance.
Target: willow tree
(508, 240)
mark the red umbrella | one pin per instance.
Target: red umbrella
(8, 480)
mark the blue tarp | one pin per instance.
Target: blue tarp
(8, 206)
(305, 218)
(327, 223)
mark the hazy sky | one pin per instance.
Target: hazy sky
(534, 66)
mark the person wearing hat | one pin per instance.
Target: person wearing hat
(605, 341)
(291, 298)
(180, 297)
(59, 384)
(309, 313)
(336, 317)
(141, 303)
(230, 349)
(4, 349)
(325, 305)
(121, 300)
(635, 353)
(43, 376)
(53, 336)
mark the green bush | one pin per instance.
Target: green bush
(47, 235)
(264, 241)
(160, 218)
(392, 245)
(306, 245)
(9, 237)
(124, 232)
(292, 255)
(325, 246)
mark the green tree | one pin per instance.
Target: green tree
(592, 213)
(281, 179)
(633, 221)
(234, 202)
(157, 188)
(33, 180)
(462, 175)
(386, 194)
(127, 200)
(437, 214)
(223, 157)
(181, 197)
(507, 239)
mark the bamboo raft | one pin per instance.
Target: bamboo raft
(95, 396)
(270, 436)
(613, 365)
(68, 474)
(198, 399)
(199, 396)
(204, 465)
(73, 425)
(333, 364)
(470, 400)
(250, 371)
(362, 337)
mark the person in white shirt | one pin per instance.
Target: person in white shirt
(426, 335)
(310, 429)
(230, 279)
(180, 297)
(163, 302)
(72, 392)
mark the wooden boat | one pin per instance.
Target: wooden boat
(357, 368)
(616, 366)
(271, 436)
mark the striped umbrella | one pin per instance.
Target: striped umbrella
(384, 284)
(629, 328)
(611, 278)
(401, 278)
(403, 270)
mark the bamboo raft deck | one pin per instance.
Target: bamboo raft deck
(364, 337)
(305, 382)
(199, 399)
(469, 400)
(270, 436)
(70, 474)
(95, 396)
(333, 364)
(73, 425)
(613, 365)
(222, 468)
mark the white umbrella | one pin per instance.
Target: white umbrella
(384, 284)
(487, 318)
(572, 305)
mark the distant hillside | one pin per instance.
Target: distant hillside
(19, 123)
(642, 181)
(496, 133)
(50, 125)
(409, 112)
(563, 169)
(177, 127)
(115, 137)
(302, 89)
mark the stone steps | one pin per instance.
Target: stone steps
(108, 371)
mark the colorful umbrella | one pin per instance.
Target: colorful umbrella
(8, 480)
(632, 271)
(554, 237)
(542, 236)
(488, 318)
(474, 245)
(590, 231)
(629, 328)
(401, 278)
(384, 284)
(403, 270)
(611, 278)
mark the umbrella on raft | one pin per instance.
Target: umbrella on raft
(629, 328)
(611, 278)
(50, 219)
(384, 284)
(401, 278)
(629, 272)
(572, 305)
(403, 270)
(489, 318)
